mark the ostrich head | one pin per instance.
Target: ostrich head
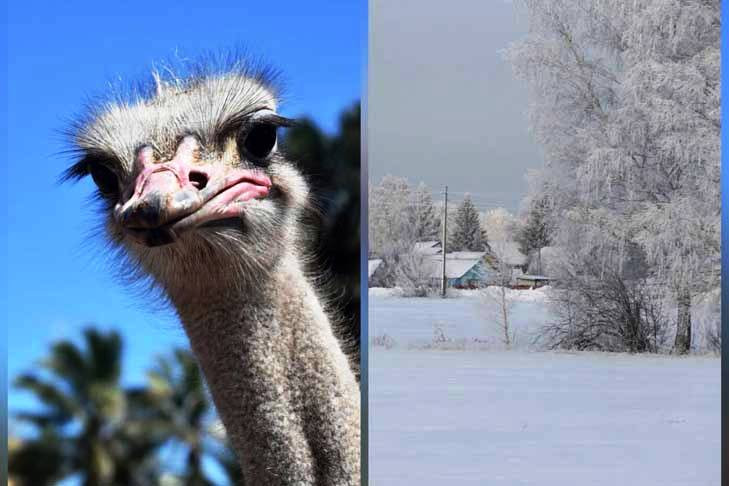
(191, 176)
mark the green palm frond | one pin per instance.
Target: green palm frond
(42, 461)
(44, 420)
(108, 400)
(67, 362)
(104, 354)
(59, 402)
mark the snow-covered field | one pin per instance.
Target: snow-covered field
(464, 318)
(481, 416)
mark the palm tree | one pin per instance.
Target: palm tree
(39, 461)
(85, 426)
(176, 392)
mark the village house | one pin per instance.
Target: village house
(464, 269)
(532, 281)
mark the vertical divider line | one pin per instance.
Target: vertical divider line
(364, 252)
(724, 246)
(4, 249)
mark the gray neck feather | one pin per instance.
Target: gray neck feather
(280, 381)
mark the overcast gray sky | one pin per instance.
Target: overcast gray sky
(443, 104)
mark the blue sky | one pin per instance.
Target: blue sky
(59, 53)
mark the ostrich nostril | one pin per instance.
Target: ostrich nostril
(198, 180)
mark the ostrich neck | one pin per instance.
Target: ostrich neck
(280, 381)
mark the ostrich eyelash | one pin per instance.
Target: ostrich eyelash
(237, 123)
(273, 119)
(80, 169)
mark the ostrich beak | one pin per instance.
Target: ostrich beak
(171, 198)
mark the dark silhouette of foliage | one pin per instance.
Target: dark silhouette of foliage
(86, 425)
(331, 164)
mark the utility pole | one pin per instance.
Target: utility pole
(444, 281)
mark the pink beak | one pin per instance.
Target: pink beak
(169, 198)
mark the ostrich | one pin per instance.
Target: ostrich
(199, 201)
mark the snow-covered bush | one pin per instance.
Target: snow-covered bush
(706, 322)
(497, 301)
(411, 274)
(383, 341)
(601, 309)
(713, 337)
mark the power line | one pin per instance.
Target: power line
(477, 194)
(444, 282)
(435, 205)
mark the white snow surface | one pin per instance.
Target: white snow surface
(469, 320)
(488, 416)
(464, 317)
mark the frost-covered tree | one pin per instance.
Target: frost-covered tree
(390, 225)
(467, 234)
(424, 216)
(626, 106)
(535, 233)
(665, 144)
(500, 224)
(452, 211)
(568, 59)
(497, 300)
(398, 218)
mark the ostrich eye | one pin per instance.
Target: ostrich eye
(104, 179)
(258, 141)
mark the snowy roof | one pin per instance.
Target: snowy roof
(457, 264)
(533, 277)
(465, 255)
(427, 247)
(508, 251)
(372, 266)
